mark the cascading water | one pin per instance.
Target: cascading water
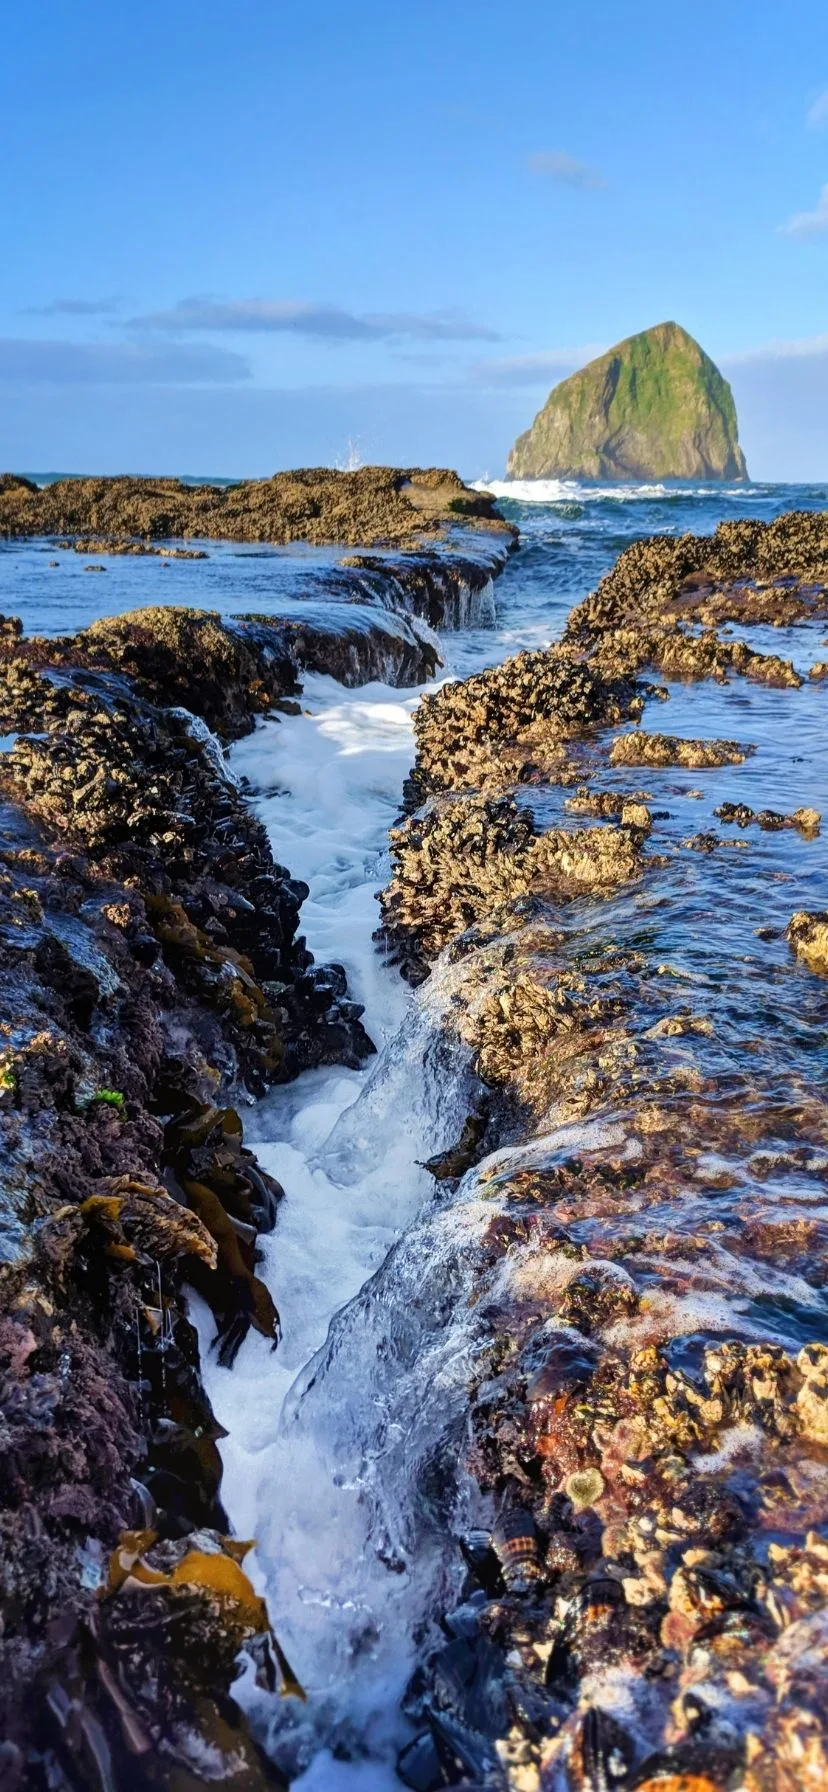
(348, 1148)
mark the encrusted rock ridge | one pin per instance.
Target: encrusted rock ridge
(642, 1258)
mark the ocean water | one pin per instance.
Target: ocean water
(56, 590)
(328, 1436)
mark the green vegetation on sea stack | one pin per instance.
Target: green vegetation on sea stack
(653, 407)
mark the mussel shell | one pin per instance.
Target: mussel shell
(476, 1545)
(464, 1621)
(515, 1543)
(689, 1767)
(604, 1753)
(565, 1364)
(418, 1765)
(594, 1632)
(597, 1599)
(462, 1750)
(481, 1558)
(468, 1684)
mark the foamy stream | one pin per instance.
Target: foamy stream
(345, 1146)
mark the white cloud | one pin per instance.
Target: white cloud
(817, 114)
(556, 165)
(806, 224)
(544, 368)
(796, 348)
(322, 322)
(76, 307)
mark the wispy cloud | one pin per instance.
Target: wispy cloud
(806, 224)
(30, 362)
(541, 369)
(796, 348)
(326, 323)
(817, 114)
(556, 165)
(77, 307)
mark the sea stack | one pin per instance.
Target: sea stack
(653, 407)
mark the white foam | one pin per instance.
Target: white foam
(568, 491)
(345, 1146)
(330, 784)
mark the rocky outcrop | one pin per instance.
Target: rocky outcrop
(653, 407)
(153, 979)
(808, 936)
(318, 505)
(641, 748)
(662, 602)
(640, 1516)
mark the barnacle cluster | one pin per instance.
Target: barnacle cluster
(648, 1415)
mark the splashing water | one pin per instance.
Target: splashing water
(350, 460)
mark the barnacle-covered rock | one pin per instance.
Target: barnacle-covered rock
(149, 962)
(637, 1394)
(808, 935)
(599, 1294)
(639, 748)
(316, 504)
(472, 732)
(503, 857)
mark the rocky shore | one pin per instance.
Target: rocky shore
(374, 505)
(628, 1231)
(638, 1267)
(155, 981)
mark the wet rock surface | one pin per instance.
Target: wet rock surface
(154, 980)
(808, 935)
(155, 983)
(663, 749)
(633, 1220)
(317, 505)
(663, 601)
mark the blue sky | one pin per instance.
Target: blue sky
(242, 238)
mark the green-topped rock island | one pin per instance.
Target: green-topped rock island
(653, 407)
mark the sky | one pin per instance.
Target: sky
(242, 238)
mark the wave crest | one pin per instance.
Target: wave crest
(567, 491)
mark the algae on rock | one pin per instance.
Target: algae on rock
(653, 407)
